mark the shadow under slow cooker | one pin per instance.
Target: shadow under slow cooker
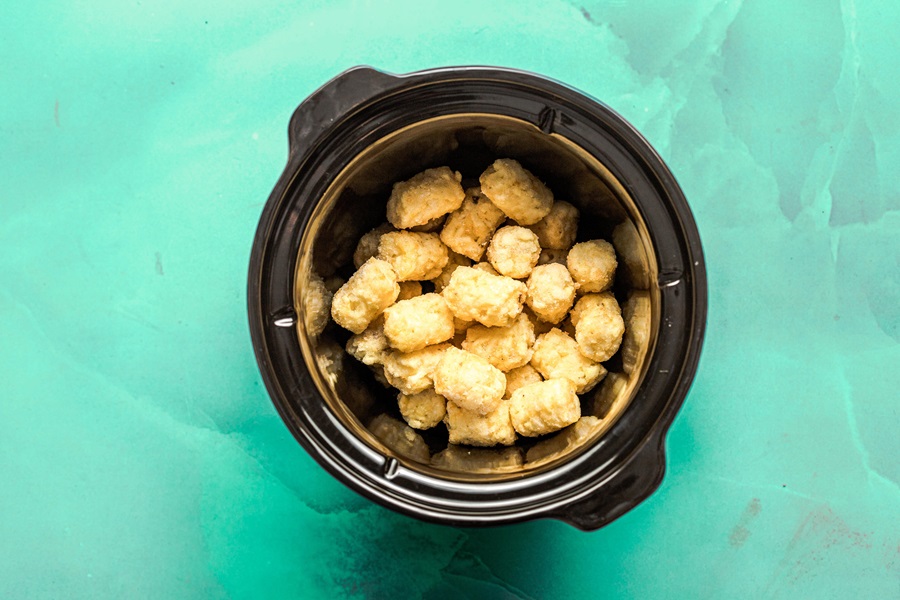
(355, 202)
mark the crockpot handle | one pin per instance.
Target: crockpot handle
(624, 490)
(338, 97)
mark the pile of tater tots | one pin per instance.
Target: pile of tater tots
(478, 306)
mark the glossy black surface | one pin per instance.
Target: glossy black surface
(361, 106)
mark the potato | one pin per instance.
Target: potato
(515, 191)
(413, 372)
(551, 292)
(423, 410)
(598, 326)
(592, 265)
(504, 347)
(475, 429)
(454, 260)
(558, 229)
(418, 322)
(365, 295)
(486, 267)
(368, 244)
(316, 305)
(556, 355)
(400, 438)
(544, 407)
(424, 197)
(514, 251)
(490, 355)
(371, 346)
(492, 300)
(413, 256)
(478, 460)
(469, 381)
(520, 377)
(469, 228)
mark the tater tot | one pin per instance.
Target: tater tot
(520, 377)
(515, 191)
(460, 326)
(592, 265)
(454, 260)
(469, 380)
(423, 410)
(316, 305)
(544, 407)
(409, 289)
(514, 251)
(570, 437)
(371, 346)
(558, 229)
(475, 429)
(492, 300)
(418, 322)
(504, 347)
(431, 226)
(556, 355)
(413, 256)
(413, 372)
(469, 228)
(365, 295)
(551, 292)
(400, 438)
(540, 326)
(486, 267)
(631, 255)
(368, 244)
(550, 255)
(598, 326)
(426, 196)
(636, 314)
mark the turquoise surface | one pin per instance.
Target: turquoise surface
(140, 455)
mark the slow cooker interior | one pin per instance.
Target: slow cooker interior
(355, 203)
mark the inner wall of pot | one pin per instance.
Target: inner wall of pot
(356, 202)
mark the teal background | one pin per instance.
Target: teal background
(140, 456)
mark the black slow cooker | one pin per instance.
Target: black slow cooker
(364, 130)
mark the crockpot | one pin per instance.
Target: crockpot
(349, 142)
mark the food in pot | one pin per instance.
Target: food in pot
(550, 292)
(556, 354)
(475, 429)
(425, 197)
(514, 251)
(515, 191)
(469, 228)
(598, 325)
(500, 348)
(469, 381)
(592, 265)
(544, 407)
(507, 347)
(423, 410)
(418, 322)
(492, 300)
(365, 295)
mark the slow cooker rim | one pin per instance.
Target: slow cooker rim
(255, 305)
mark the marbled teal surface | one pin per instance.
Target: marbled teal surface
(139, 453)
